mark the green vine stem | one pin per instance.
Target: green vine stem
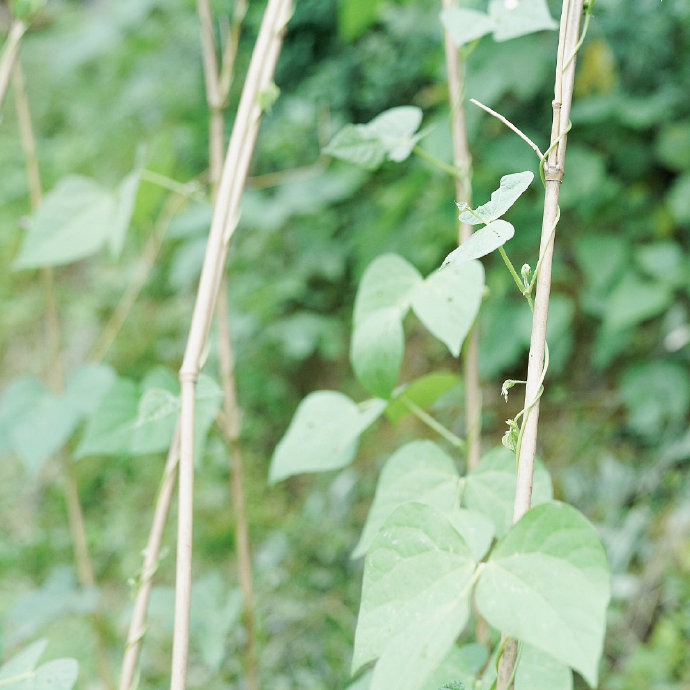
(434, 424)
(424, 155)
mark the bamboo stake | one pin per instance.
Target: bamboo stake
(462, 160)
(223, 224)
(571, 16)
(217, 91)
(9, 55)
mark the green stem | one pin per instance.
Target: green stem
(185, 189)
(437, 163)
(514, 273)
(433, 424)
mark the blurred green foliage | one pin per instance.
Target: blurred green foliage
(106, 78)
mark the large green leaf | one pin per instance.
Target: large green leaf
(376, 351)
(323, 434)
(447, 302)
(490, 487)
(547, 583)
(19, 673)
(509, 190)
(419, 471)
(635, 299)
(482, 242)
(390, 135)
(415, 597)
(461, 666)
(519, 17)
(75, 220)
(466, 26)
(540, 671)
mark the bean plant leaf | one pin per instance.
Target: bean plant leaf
(59, 674)
(419, 471)
(448, 301)
(377, 351)
(635, 299)
(482, 242)
(415, 597)
(75, 220)
(509, 191)
(323, 434)
(538, 670)
(466, 26)
(490, 487)
(459, 667)
(23, 661)
(421, 392)
(390, 135)
(513, 18)
(383, 298)
(138, 420)
(19, 673)
(546, 583)
(388, 282)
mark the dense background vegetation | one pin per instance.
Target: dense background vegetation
(109, 83)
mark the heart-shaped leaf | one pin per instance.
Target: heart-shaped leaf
(466, 26)
(513, 18)
(447, 302)
(419, 471)
(490, 487)
(481, 243)
(415, 597)
(323, 434)
(421, 392)
(509, 190)
(547, 583)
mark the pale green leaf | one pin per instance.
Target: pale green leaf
(59, 674)
(419, 471)
(22, 661)
(538, 670)
(415, 597)
(466, 26)
(376, 351)
(447, 302)
(388, 282)
(547, 584)
(422, 392)
(509, 191)
(70, 224)
(86, 386)
(490, 487)
(475, 528)
(515, 18)
(460, 665)
(482, 242)
(20, 396)
(390, 135)
(323, 434)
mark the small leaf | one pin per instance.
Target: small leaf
(509, 191)
(377, 350)
(634, 300)
(415, 597)
(323, 434)
(466, 26)
(546, 583)
(419, 471)
(490, 488)
(23, 661)
(390, 135)
(515, 18)
(447, 302)
(481, 243)
(422, 392)
(460, 665)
